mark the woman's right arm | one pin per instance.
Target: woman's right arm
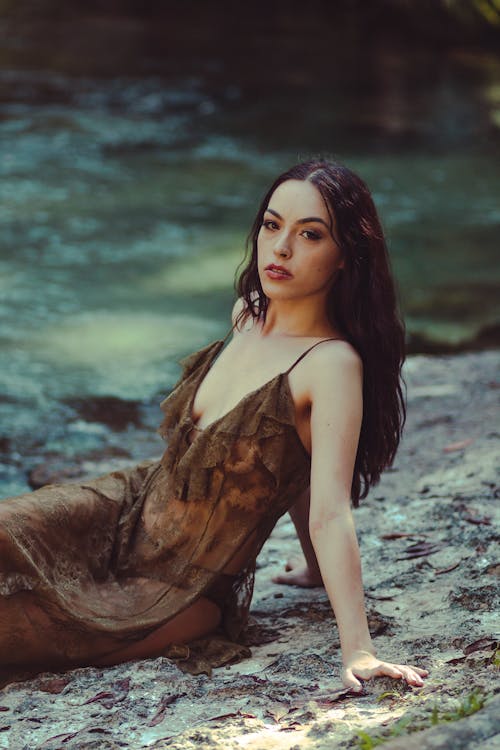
(304, 572)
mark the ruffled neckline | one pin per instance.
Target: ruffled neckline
(280, 376)
(272, 415)
(178, 406)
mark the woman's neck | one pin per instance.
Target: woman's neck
(296, 318)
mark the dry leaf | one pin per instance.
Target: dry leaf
(329, 698)
(61, 737)
(482, 644)
(107, 698)
(54, 686)
(421, 549)
(278, 711)
(447, 570)
(457, 446)
(166, 701)
(472, 517)
(234, 715)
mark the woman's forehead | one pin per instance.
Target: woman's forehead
(300, 198)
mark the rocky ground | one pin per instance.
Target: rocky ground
(427, 535)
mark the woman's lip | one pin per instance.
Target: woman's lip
(276, 273)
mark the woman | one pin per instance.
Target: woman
(306, 394)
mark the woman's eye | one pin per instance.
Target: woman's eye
(269, 224)
(310, 235)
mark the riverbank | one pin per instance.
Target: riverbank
(426, 535)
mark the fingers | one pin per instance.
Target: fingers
(420, 671)
(412, 675)
(365, 667)
(284, 577)
(391, 670)
(280, 579)
(351, 682)
(290, 579)
(296, 576)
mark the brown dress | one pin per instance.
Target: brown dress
(120, 555)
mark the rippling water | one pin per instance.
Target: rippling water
(126, 201)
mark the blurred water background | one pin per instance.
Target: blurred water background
(136, 142)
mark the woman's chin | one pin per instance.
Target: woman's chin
(277, 291)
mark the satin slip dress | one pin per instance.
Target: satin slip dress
(111, 559)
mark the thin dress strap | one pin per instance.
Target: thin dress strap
(307, 352)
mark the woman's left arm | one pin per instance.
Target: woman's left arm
(336, 379)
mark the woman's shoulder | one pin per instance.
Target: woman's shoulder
(329, 361)
(241, 316)
(239, 306)
(337, 351)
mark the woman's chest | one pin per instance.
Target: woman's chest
(237, 377)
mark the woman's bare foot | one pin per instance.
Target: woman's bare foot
(298, 573)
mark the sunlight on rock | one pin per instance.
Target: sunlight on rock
(449, 331)
(197, 274)
(211, 265)
(121, 353)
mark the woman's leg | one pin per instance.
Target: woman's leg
(196, 621)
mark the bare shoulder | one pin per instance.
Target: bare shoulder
(242, 324)
(335, 355)
(238, 308)
(332, 364)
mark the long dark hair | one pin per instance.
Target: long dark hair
(362, 304)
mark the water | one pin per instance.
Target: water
(126, 200)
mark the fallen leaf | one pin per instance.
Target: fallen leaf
(259, 680)
(61, 737)
(292, 727)
(233, 715)
(480, 645)
(379, 598)
(105, 697)
(278, 711)
(399, 535)
(447, 570)
(166, 701)
(455, 660)
(122, 685)
(54, 686)
(421, 549)
(458, 445)
(478, 520)
(329, 698)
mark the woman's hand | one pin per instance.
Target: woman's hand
(298, 573)
(365, 665)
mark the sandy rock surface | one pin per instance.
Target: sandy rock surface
(427, 536)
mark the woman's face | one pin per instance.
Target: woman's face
(297, 255)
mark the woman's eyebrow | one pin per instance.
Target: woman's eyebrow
(301, 221)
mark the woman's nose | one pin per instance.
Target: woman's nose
(282, 247)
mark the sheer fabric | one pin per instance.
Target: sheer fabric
(85, 569)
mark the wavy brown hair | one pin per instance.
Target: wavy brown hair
(362, 304)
